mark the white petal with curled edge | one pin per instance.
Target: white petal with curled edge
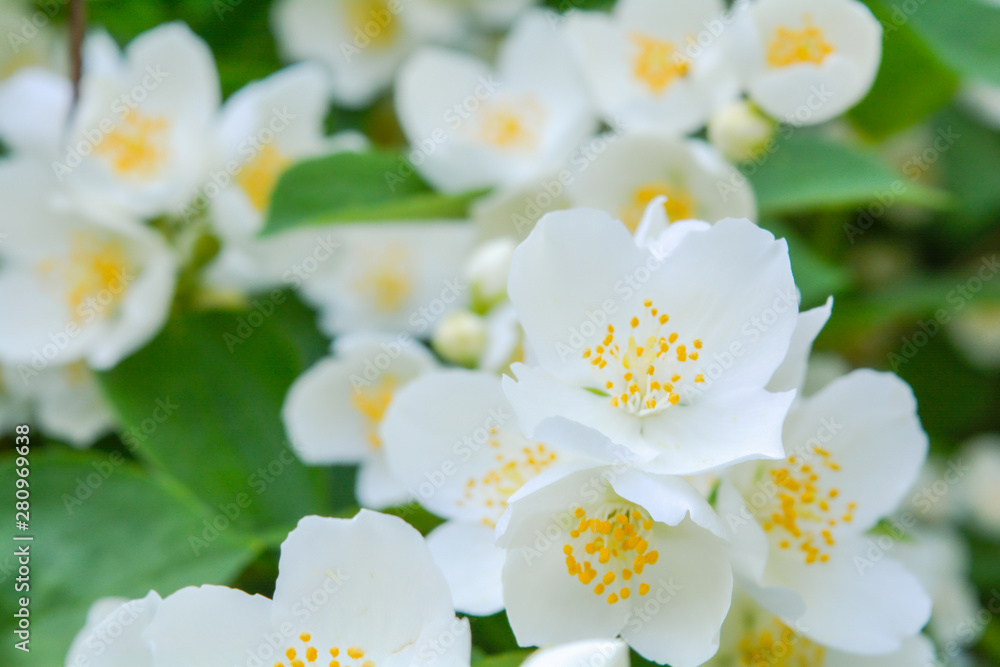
(603, 652)
(791, 374)
(114, 634)
(471, 564)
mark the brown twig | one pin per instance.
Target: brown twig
(77, 28)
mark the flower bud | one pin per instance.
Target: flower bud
(740, 131)
(460, 337)
(487, 271)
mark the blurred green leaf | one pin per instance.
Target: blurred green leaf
(202, 401)
(912, 82)
(102, 528)
(351, 187)
(964, 33)
(972, 171)
(815, 276)
(805, 172)
(511, 659)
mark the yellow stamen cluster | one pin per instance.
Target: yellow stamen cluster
(790, 46)
(511, 125)
(777, 645)
(387, 278)
(657, 63)
(372, 402)
(93, 273)
(808, 510)
(611, 546)
(680, 205)
(137, 146)
(375, 19)
(349, 657)
(644, 377)
(258, 177)
(492, 490)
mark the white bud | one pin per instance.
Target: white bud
(487, 271)
(739, 131)
(460, 337)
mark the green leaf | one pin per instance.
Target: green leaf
(972, 171)
(353, 187)
(202, 402)
(815, 276)
(912, 82)
(963, 33)
(808, 173)
(101, 528)
(511, 659)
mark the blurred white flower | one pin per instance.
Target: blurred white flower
(487, 271)
(68, 404)
(740, 131)
(605, 552)
(390, 277)
(473, 127)
(753, 637)
(34, 106)
(854, 450)
(983, 99)
(979, 491)
(975, 331)
(263, 129)
(638, 166)
(334, 411)
(594, 652)
(361, 43)
(807, 61)
(32, 40)
(657, 64)
(72, 287)
(667, 356)
(140, 136)
(385, 603)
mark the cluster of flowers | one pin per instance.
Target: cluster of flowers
(650, 473)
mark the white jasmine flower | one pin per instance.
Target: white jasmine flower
(71, 287)
(639, 166)
(362, 43)
(356, 592)
(752, 636)
(979, 491)
(975, 331)
(473, 127)
(264, 128)
(606, 552)
(854, 450)
(68, 403)
(334, 411)
(140, 135)
(452, 440)
(390, 277)
(807, 61)
(657, 64)
(114, 634)
(667, 356)
(603, 652)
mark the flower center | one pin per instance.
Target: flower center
(511, 126)
(348, 657)
(387, 279)
(611, 546)
(375, 19)
(137, 146)
(806, 511)
(93, 273)
(371, 403)
(258, 177)
(516, 463)
(777, 645)
(790, 47)
(657, 63)
(644, 374)
(680, 204)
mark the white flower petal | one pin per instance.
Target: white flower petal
(791, 374)
(471, 564)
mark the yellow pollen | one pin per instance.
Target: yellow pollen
(258, 177)
(790, 46)
(514, 466)
(511, 126)
(657, 63)
(137, 146)
(680, 204)
(372, 402)
(770, 642)
(376, 19)
(386, 280)
(355, 653)
(93, 275)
